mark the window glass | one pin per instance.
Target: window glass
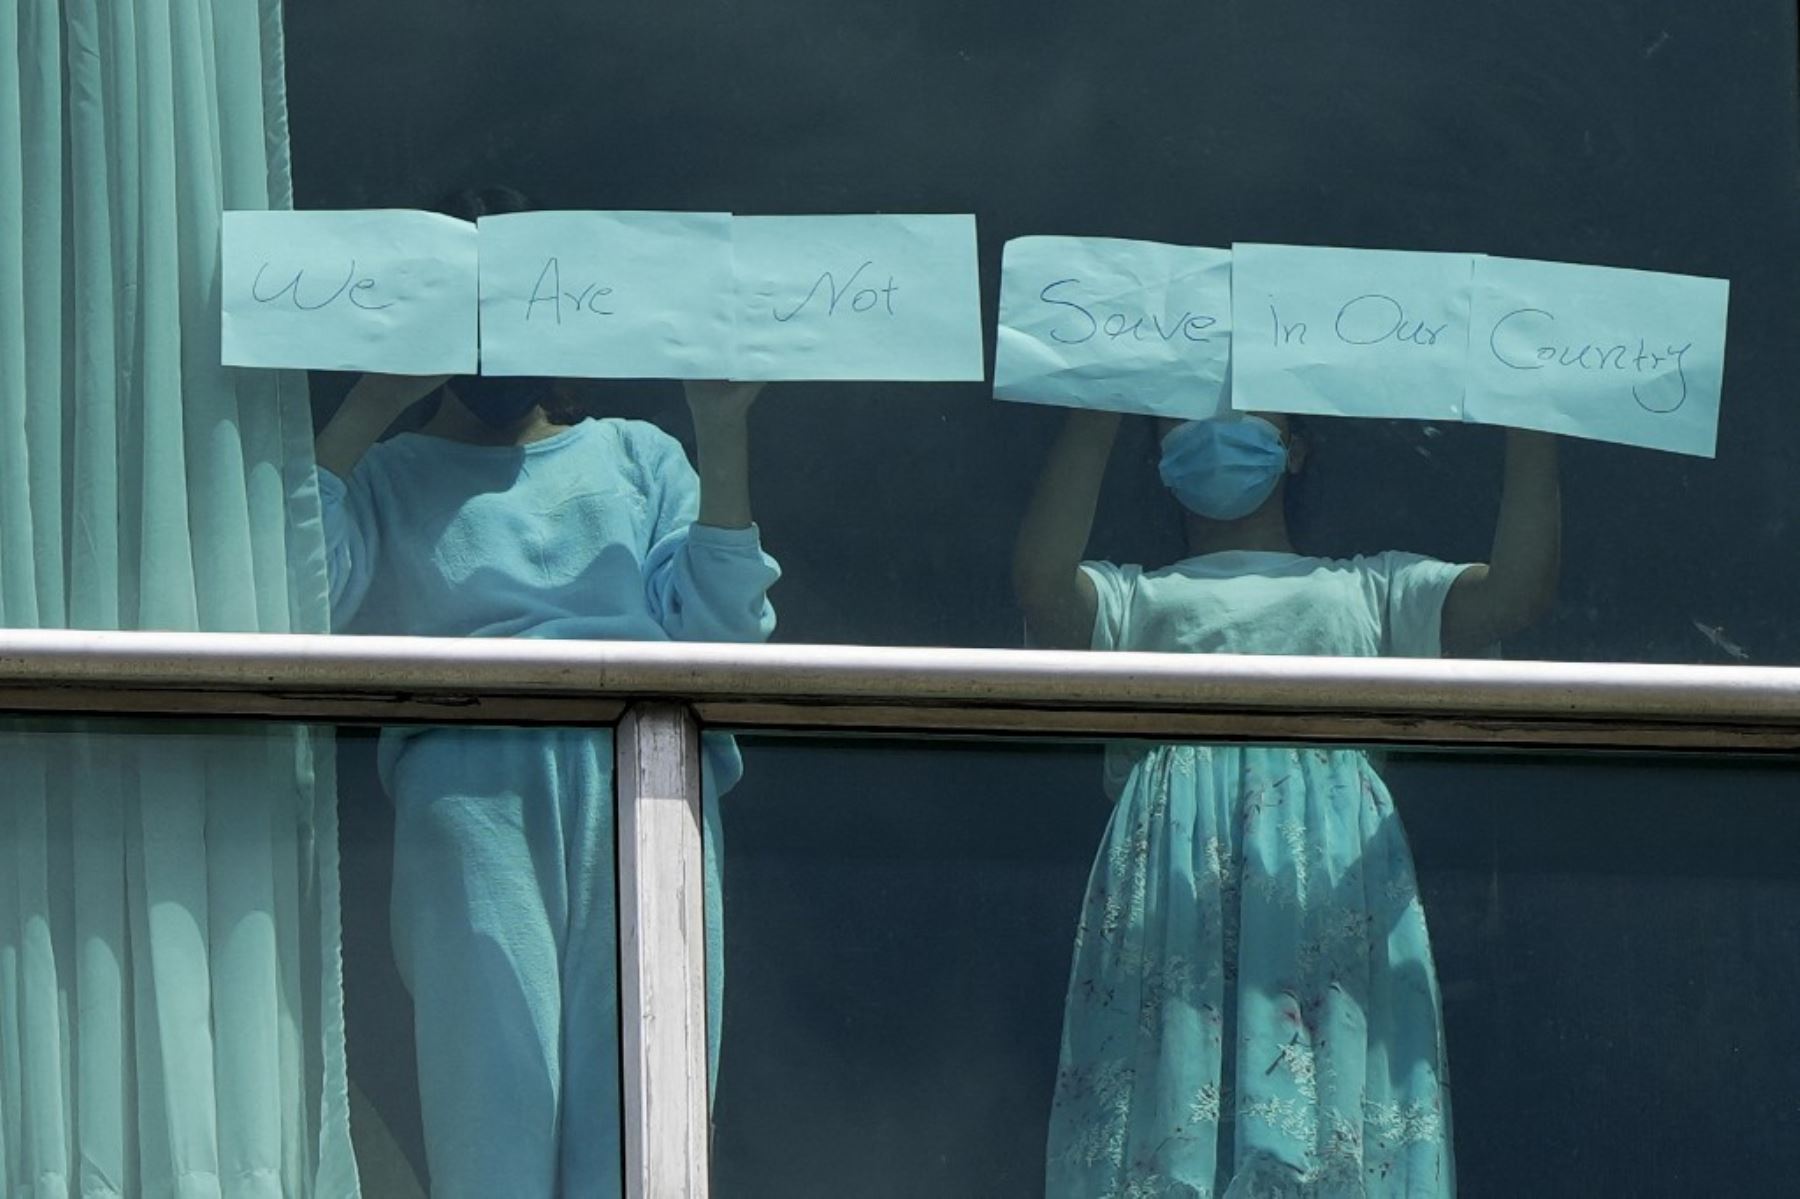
(1613, 137)
(190, 879)
(966, 969)
(180, 897)
(169, 933)
(481, 957)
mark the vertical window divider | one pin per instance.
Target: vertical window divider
(662, 953)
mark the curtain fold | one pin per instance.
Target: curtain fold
(170, 984)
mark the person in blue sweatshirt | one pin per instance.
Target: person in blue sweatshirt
(494, 520)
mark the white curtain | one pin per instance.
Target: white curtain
(170, 990)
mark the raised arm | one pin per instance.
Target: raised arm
(1516, 587)
(375, 403)
(722, 441)
(707, 577)
(1058, 599)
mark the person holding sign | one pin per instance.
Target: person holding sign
(1252, 1006)
(494, 520)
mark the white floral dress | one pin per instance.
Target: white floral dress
(1252, 1008)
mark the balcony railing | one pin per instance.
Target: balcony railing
(658, 696)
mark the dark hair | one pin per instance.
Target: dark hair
(473, 203)
(1299, 499)
(497, 400)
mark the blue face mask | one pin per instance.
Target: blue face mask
(1223, 468)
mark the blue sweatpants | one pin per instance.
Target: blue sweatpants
(505, 931)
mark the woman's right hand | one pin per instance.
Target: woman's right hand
(393, 393)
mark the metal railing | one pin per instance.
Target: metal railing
(1385, 701)
(658, 696)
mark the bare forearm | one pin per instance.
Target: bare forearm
(374, 404)
(1057, 600)
(723, 444)
(1527, 555)
(1061, 516)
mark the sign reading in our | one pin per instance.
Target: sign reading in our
(375, 290)
(1350, 332)
(1126, 326)
(1615, 355)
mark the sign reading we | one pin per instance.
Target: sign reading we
(372, 290)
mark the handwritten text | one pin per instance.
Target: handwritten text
(1190, 325)
(868, 298)
(549, 290)
(351, 289)
(1512, 343)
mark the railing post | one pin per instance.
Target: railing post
(662, 953)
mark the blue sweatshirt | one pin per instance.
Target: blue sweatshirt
(588, 533)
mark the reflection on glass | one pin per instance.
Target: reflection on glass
(1611, 943)
(496, 519)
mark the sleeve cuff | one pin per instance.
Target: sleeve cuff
(713, 537)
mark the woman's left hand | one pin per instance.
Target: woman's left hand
(722, 437)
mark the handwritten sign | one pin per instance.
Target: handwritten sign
(619, 295)
(1350, 332)
(857, 297)
(375, 290)
(1127, 326)
(1617, 355)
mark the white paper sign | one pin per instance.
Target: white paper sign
(376, 290)
(1127, 326)
(1625, 356)
(621, 295)
(857, 297)
(1341, 332)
